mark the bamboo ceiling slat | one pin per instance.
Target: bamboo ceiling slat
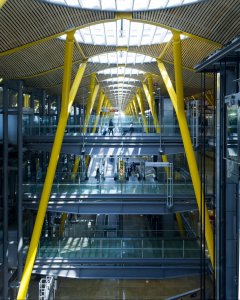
(206, 19)
(44, 19)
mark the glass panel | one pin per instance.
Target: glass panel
(123, 5)
(121, 57)
(1, 96)
(13, 98)
(121, 71)
(232, 132)
(122, 33)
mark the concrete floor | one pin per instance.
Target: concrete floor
(75, 289)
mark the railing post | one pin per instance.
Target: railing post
(162, 248)
(183, 249)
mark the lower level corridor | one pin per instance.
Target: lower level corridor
(74, 289)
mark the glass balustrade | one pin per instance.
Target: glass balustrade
(72, 191)
(35, 125)
(116, 248)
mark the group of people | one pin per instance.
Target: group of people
(111, 128)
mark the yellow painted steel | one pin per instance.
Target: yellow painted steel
(133, 113)
(62, 224)
(104, 107)
(151, 102)
(79, 49)
(123, 15)
(168, 44)
(185, 68)
(75, 167)
(2, 2)
(90, 102)
(99, 107)
(73, 93)
(89, 108)
(180, 224)
(118, 16)
(141, 106)
(168, 84)
(121, 48)
(65, 108)
(135, 106)
(26, 100)
(178, 103)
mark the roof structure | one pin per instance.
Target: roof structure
(112, 38)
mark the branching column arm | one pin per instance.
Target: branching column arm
(178, 103)
(151, 102)
(65, 108)
(99, 107)
(141, 106)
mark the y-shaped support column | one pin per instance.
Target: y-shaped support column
(67, 100)
(178, 104)
(141, 106)
(100, 103)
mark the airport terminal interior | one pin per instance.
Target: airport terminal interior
(119, 149)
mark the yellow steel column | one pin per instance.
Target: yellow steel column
(151, 90)
(141, 106)
(135, 106)
(65, 109)
(89, 100)
(93, 91)
(151, 102)
(2, 2)
(178, 103)
(132, 109)
(89, 107)
(73, 92)
(180, 224)
(100, 103)
(26, 100)
(104, 107)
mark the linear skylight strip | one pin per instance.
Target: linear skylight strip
(121, 71)
(123, 5)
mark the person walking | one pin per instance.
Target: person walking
(110, 127)
(98, 175)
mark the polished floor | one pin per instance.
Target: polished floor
(75, 289)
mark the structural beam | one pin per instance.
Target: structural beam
(67, 102)
(135, 106)
(178, 103)
(99, 107)
(119, 15)
(5, 175)
(90, 107)
(2, 2)
(141, 106)
(20, 179)
(151, 102)
(79, 49)
(165, 49)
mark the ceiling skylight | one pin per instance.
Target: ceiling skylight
(120, 85)
(123, 5)
(120, 79)
(122, 33)
(121, 71)
(121, 58)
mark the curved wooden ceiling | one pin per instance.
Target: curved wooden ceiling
(208, 24)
